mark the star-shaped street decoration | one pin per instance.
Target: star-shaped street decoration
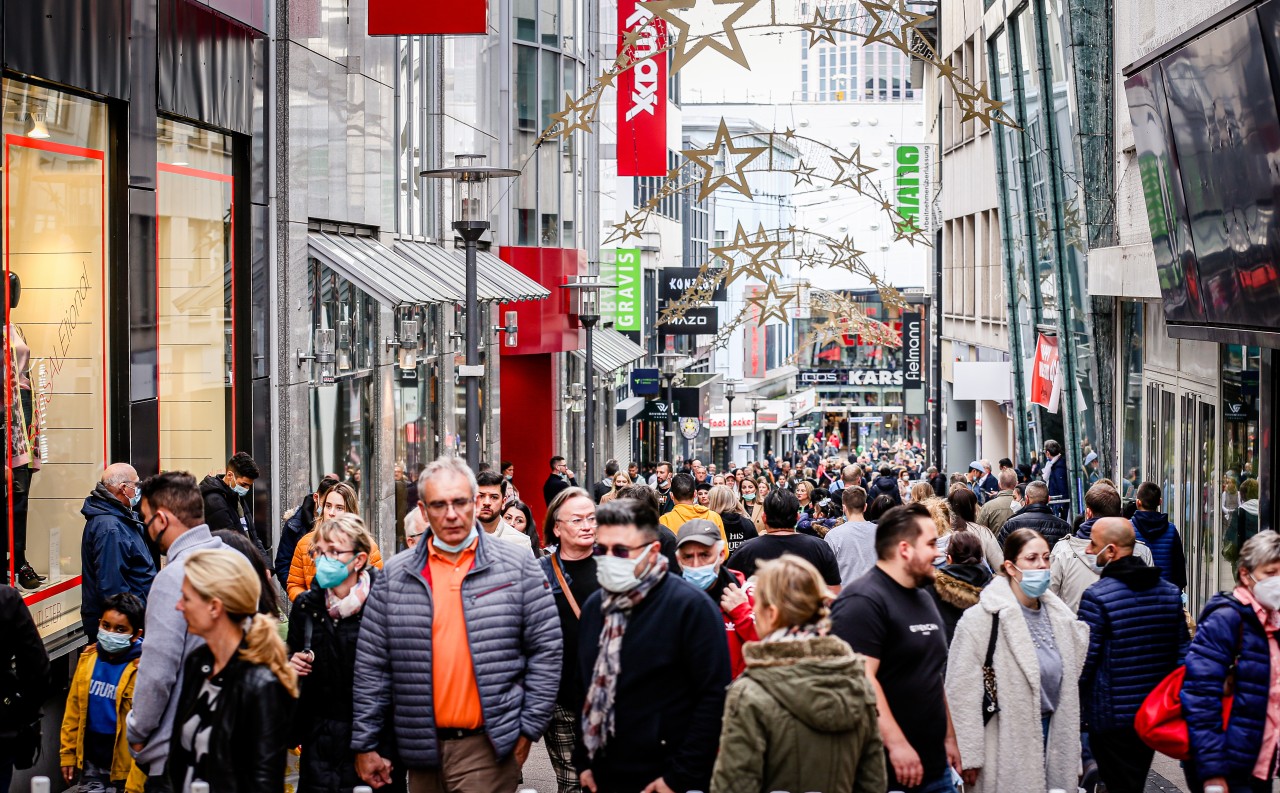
(705, 159)
(764, 302)
(892, 23)
(686, 50)
(575, 115)
(907, 229)
(632, 225)
(762, 253)
(821, 28)
(852, 171)
(844, 253)
(977, 104)
(804, 173)
(810, 259)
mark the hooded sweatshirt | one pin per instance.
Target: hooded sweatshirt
(1161, 536)
(1070, 573)
(808, 704)
(681, 514)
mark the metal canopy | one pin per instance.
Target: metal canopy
(612, 350)
(496, 281)
(376, 270)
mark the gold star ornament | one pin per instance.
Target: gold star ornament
(705, 159)
(852, 171)
(766, 305)
(688, 46)
(575, 115)
(978, 104)
(892, 23)
(821, 28)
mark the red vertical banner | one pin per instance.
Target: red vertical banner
(416, 18)
(1046, 375)
(642, 94)
(755, 363)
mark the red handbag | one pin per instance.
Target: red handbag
(1160, 723)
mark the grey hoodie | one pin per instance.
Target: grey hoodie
(159, 682)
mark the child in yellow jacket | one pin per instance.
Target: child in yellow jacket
(93, 727)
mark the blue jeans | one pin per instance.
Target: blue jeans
(942, 784)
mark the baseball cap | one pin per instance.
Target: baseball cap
(699, 530)
(977, 466)
(1090, 457)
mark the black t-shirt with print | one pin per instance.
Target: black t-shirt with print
(771, 546)
(882, 619)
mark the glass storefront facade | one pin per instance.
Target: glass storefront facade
(195, 294)
(56, 207)
(343, 413)
(1041, 207)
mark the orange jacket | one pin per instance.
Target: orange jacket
(302, 569)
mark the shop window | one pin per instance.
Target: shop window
(56, 412)
(195, 278)
(1131, 394)
(342, 413)
(1238, 491)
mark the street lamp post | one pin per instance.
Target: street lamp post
(470, 178)
(588, 289)
(794, 404)
(669, 374)
(730, 391)
(756, 404)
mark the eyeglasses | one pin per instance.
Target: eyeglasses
(620, 551)
(578, 522)
(332, 555)
(442, 507)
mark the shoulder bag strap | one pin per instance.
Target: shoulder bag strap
(991, 643)
(568, 595)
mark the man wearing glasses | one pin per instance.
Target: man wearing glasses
(472, 687)
(114, 555)
(653, 650)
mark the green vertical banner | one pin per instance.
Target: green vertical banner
(628, 298)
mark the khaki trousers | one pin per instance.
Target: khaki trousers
(467, 765)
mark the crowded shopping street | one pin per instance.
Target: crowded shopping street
(640, 396)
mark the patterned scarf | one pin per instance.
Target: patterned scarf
(597, 715)
(341, 608)
(800, 633)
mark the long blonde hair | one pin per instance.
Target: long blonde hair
(723, 499)
(229, 577)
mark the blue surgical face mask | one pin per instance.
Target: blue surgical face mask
(748, 496)
(460, 547)
(701, 577)
(137, 496)
(109, 642)
(330, 572)
(1034, 583)
(240, 490)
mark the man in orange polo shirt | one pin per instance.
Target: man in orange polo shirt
(462, 634)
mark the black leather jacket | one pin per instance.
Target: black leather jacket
(248, 741)
(1039, 517)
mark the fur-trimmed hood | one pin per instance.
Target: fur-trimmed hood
(819, 681)
(961, 585)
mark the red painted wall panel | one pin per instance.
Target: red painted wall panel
(527, 408)
(545, 325)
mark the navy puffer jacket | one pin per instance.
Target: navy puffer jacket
(1227, 629)
(1161, 536)
(513, 631)
(1137, 636)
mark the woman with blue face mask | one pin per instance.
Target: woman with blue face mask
(1013, 678)
(323, 627)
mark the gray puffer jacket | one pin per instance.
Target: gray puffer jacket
(513, 631)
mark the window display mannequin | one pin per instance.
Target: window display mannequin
(24, 450)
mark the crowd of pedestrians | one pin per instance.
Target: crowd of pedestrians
(864, 625)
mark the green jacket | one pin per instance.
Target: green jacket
(802, 717)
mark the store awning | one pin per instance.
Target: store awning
(496, 281)
(613, 350)
(628, 409)
(376, 269)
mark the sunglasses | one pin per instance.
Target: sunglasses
(620, 551)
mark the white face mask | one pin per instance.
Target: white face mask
(1267, 592)
(617, 575)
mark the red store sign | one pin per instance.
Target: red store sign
(642, 95)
